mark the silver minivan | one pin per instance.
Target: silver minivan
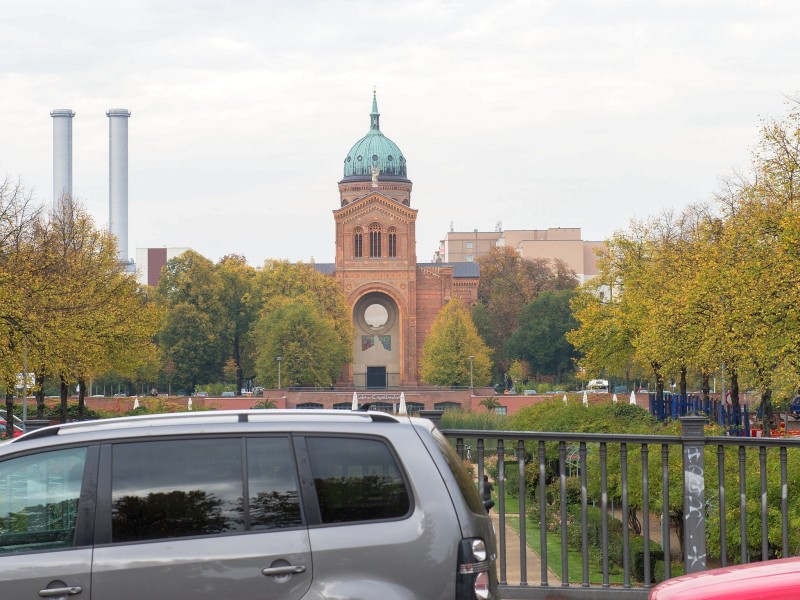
(249, 504)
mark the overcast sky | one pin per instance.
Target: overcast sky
(535, 114)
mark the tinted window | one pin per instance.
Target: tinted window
(272, 481)
(460, 472)
(39, 500)
(176, 488)
(356, 480)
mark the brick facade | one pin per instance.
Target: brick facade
(384, 271)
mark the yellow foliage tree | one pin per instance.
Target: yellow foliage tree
(453, 339)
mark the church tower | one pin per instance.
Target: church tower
(376, 260)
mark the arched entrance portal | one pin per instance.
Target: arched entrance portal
(376, 347)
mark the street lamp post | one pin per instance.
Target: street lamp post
(471, 359)
(280, 358)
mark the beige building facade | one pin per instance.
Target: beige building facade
(563, 243)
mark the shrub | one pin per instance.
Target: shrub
(512, 479)
(53, 413)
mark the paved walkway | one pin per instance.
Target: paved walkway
(513, 563)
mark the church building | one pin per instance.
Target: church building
(394, 300)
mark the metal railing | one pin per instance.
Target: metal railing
(392, 381)
(627, 475)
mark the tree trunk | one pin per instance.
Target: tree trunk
(766, 407)
(64, 395)
(677, 521)
(633, 520)
(683, 381)
(734, 390)
(10, 383)
(81, 397)
(659, 380)
(237, 358)
(706, 387)
(40, 394)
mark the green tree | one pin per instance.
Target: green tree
(509, 282)
(280, 283)
(540, 340)
(192, 332)
(305, 337)
(189, 342)
(448, 347)
(234, 280)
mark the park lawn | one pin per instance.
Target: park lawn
(574, 560)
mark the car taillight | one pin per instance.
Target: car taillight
(473, 570)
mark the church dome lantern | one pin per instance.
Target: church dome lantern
(375, 156)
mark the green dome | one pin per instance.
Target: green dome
(375, 150)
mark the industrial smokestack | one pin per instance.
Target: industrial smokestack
(118, 178)
(62, 154)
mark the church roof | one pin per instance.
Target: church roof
(460, 269)
(375, 150)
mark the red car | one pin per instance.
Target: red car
(768, 580)
(17, 429)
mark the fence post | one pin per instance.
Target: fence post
(433, 415)
(694, 496)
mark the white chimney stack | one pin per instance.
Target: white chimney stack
(62, 154)
(118, 178)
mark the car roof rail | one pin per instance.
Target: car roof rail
(241, 416)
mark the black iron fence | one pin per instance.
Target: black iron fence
(388, 381)
(632, 510)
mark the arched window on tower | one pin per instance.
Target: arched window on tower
(358, 242)
(375, 240)
(392, 242)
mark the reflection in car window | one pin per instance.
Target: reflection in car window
(39, 500)
(176, 488)
(272, 484)
(463, 478)
(356, 480)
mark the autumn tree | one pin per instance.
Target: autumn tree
(708, 288)
(509, 282)
(100, 319)
(759, 240)
(446, 353)
(608, 319)
(17, 264)
(70, 309)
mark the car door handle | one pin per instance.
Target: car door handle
(60, 591)
(287, 570)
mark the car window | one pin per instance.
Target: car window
(176, 488)
(39, 500)
(356, 479)
(272, 484)
(460, 472)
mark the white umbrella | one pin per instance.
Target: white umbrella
(189, 404)
(355, 401)
(633, 397)
(585, 399)
(402, 409)
(614, 398)
(565, 398)
(136, 403)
